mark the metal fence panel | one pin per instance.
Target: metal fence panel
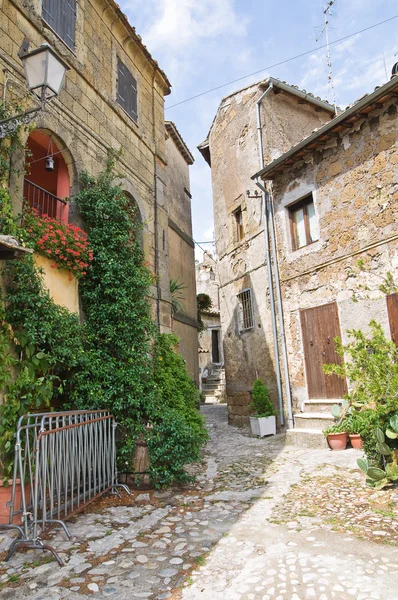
(67, 459)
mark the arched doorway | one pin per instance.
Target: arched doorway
(46, 186)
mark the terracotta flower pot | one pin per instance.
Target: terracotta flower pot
(5, 496)
(337, 441)
(356, 441)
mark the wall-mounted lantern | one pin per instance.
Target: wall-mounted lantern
(45, 74)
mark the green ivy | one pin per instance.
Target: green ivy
(128, 369)
(115, 359)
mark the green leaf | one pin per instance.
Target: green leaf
(379, 435)
(391, 434)
(392, 471)
(394, 423)
(378, 485)
(336, 411)
(383, 449)
(376, 474)
(363, 464)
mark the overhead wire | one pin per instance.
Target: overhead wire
(282, 62)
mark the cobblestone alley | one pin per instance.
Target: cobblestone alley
(262, 522)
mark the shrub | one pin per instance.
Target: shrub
(372, 370)
(261, 403)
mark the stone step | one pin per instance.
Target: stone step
(212, 386)
(212, 400)
(320, 406)
(211, 392)
(313, 420)
(306, 438)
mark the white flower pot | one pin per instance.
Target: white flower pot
(263, 426)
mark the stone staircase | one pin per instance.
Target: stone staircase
(214, 389)
(309, 425)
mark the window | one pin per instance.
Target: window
(245, 310)
(239, 230)
(303, 223)
(61, 16)
(126, 90)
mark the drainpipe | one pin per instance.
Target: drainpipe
(155, 194)
(280, 311)
(268, 259)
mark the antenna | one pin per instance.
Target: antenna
(325, 29)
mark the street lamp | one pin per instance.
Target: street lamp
(45, 74)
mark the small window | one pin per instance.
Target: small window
(61, 16)
(239, 229)
(303, 223)
(245, 310)
(126, 90)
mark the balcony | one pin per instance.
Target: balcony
(44, 202)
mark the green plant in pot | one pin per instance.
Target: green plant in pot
(336, 434)
(353, 426)
(263, 422)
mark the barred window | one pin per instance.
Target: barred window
(61, 16)
(245, 310)
(126, 90)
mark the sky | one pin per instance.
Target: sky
(203, 44)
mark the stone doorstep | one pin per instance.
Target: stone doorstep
(320, 406)
(306, 438)
(313, 420)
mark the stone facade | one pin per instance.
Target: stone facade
(181, 248)
(287, 116)
(352, 176)
(87, 119)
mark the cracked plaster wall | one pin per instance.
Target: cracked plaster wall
(355, 188)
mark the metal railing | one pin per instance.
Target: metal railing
(44, 202)
(63, 461)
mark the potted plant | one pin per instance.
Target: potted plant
(353, 426)
(337, 436)
(263, 422)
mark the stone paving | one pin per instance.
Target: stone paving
(249, 529)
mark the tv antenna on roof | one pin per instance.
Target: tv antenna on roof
(327, 11)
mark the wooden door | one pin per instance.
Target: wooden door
(392, 307)
(319, 326)
(215, 345)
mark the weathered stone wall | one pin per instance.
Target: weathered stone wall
(86, 119)
(181, 253)
(354, 182)
(241, 264)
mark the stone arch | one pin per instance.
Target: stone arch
(136, 200)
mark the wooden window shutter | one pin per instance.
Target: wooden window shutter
(61, 16)
(127, 90)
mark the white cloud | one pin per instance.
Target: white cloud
(179, 24)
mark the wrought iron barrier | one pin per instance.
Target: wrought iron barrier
(63, 461)
(43, 201)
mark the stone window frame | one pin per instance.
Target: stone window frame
(302, 203)
(245, 310)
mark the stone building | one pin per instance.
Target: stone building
(113, 98)
(181, 248)
(232, 149)
(335, 197)
(211, 353)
